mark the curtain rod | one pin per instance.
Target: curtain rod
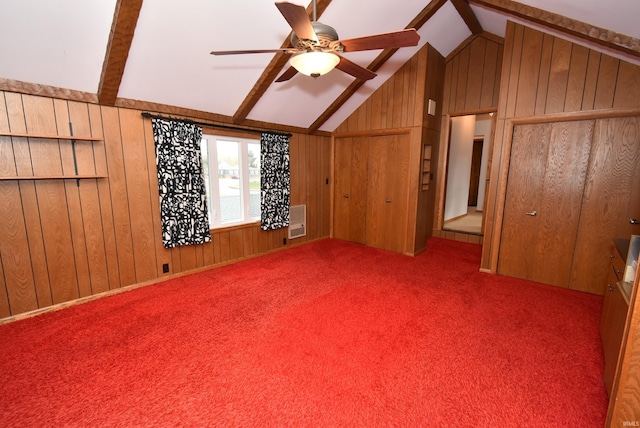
(211, 125)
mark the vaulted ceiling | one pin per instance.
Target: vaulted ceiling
(155, 53)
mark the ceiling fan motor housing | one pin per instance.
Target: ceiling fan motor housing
(326, 35)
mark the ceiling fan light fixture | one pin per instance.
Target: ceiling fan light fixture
(314, 64)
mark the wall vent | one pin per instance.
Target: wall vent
(297, 221)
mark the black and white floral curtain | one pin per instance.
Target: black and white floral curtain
(274, 181)
(183, 200)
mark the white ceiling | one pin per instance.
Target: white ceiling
(63, 43)
(59, 43)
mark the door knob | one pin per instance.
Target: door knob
(388, 200)
(634, 221)
(346, 196)
(611, 287)
(532, 213)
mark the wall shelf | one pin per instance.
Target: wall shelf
(72, 138)
(426, 167)
(51, 177)
(48, 137)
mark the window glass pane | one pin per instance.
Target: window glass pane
(231, 169)
(229, 181)
(254, 180)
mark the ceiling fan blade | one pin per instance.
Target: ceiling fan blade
(287, 75)
(355, 70)
(252, 51)
(298, 19)
(395, 39)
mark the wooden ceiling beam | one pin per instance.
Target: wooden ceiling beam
(273, 69)
(384, 56)
(466, 13)
(591, 33)
(125, 19)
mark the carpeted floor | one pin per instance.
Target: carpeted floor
(324, 335)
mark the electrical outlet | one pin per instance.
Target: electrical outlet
(165, 268)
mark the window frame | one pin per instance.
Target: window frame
(212, 177)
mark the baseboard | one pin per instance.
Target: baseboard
(82, 300)
(456, 218)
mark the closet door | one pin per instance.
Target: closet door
(519, 237)
(350, 193)
(626, 133)
(545, 185)
(387, 193)
(611, 200)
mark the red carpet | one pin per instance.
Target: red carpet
(327, 334)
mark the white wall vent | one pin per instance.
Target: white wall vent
(297, 221)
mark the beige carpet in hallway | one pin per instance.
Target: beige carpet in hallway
(470, 223)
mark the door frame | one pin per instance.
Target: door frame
(443, 164)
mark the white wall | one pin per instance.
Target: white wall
(459, 173)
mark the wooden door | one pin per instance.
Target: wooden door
(626, 133)
(350, 194)
(529, 149)
(387, 195)
(544, 197)
(397, 192)
(611, 200)
(376, 192)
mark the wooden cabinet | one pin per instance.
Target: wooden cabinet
(571, 187)
(372, 190)
(624, 399)
(614, 312)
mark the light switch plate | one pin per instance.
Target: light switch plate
(431, 109)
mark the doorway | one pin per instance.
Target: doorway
(466, 177)
(476, 162)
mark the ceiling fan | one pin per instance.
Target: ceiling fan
(316, 47)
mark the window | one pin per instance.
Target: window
(232, 179)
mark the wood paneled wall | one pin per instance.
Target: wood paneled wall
(544, 75)
(63, 239)
(400, 104)
(472, 76)
(431, 135)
